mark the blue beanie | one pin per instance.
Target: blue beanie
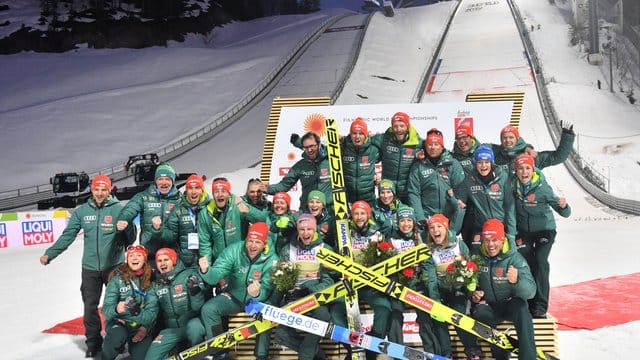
(483, 152)
(165, 169)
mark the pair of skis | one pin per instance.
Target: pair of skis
(251, 329)
(411, 297)
(337, 333)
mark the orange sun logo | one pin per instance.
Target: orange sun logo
(291, 156)
(315, 124)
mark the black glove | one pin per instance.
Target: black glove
(295, 294)
(294, 138)
(422, 225)
(193, 285)
(567, 128)
(132, 305)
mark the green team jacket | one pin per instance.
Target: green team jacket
(397, 157)
(428, 185)
(493, 276)
(149, 204)
(219, 228)
(235, 266)
(313, 175)
(465, 160)
(103, 244)
(118, 290)
(493, 200)
(533, 204)
(359, 164)
(183, 220)
(506, 158)
(174, 300)
(385, 216)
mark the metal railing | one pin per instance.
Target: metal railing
(11, 199)
(591, 183)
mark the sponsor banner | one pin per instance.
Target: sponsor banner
(31, 228)
(409, 328)
(486, 118)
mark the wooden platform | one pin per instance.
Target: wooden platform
(546, 335)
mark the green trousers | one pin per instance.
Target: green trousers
(517, 311)
(117, 336)
(381, 306)
(215, 308)
(169, 338)
(536, 248)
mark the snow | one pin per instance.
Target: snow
(87, 109)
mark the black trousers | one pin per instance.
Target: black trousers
(91, 290)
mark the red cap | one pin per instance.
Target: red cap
(137, 248)
(101, 181)
(258, 231)
(464, 129)
(511, 129)
(359, 125)
(435, 135)
(360, 204)
(221, 184)
(283, 196)
(195, 180)
(400, 116)
(493, 229)
(525, 159)
(438, 219)
(168, 252)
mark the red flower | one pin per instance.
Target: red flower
(472, 266)
(451, 267)
(408, 272)
(385, 246)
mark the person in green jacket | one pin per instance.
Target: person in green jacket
(432, 180)
(445, 249)
(247, 266)
(536, 226)
(505, 284)
(512, 145)
(281, 220)
(302, 251)
(153, 205)
(129, 309)
(398, 146)
(181, 229)
(103, 250)
(317, 206)
(312, 171)
(180, 295)
(489, 190)
(384, 211)
(222, 221)
(359, 159)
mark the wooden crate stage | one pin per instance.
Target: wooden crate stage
(546, 335)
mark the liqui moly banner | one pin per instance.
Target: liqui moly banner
(485, 119)
(31, 228)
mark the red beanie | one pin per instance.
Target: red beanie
(258, 231)
(283, 196)
(464, 129)
(359, 125)
(435, 135)
(400, 116)
(168, 252)
(195, 180)
(511, 129)
(221, 184)
(493, 229)
(361, 205)
(525, 159)
(139, 249)
(101, 181)
(438, 219)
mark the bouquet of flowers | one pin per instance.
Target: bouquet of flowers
(284, 275)
(463, 272)
(375, 252)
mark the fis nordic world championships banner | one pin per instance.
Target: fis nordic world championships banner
(485, 118)
(31, 228)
